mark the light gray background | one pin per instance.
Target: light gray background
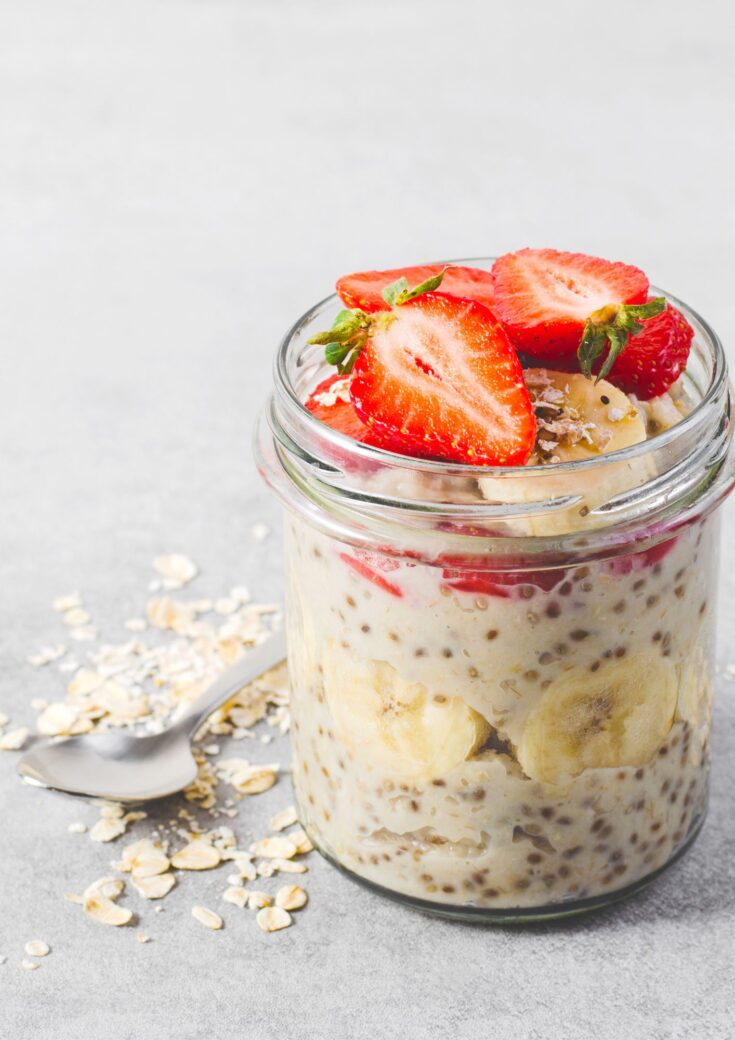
(178, 181)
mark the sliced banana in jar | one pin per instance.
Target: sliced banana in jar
(396, 725)
(577, 419)
(616, 716)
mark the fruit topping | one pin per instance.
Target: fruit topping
(654, 359)
(551, 301)
(436, 375)
(443, 378)
(331, 403)
(578, 418)
(365, 289)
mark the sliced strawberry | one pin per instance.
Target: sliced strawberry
(545, 297)
(654, 359)
(440, 376)
(369, 565)
(364, 290)
(642, 560)
(499, 583)
(330, 402)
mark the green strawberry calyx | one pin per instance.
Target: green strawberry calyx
(610, 328)
(346, 339)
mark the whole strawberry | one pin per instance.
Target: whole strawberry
(654, 359)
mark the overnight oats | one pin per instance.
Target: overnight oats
(502, 555)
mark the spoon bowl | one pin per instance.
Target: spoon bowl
(123, 767)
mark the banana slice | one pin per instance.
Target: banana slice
(398, 725)
(617, 716)
(695, 694)
(578, 419)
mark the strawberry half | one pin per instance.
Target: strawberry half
(365, 289)
(439, 376)
(545, 297)
(655, 358)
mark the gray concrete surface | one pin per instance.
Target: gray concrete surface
(178, 181)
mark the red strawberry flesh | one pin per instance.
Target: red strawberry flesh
(544, 297)
(364, 289)
(655, 358)
(440, 377)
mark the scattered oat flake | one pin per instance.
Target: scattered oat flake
(285, 818)
(238, 896)
(84, 634)
(302, 841)
(76, 617)
(46, 655)
(257, 900)
(274, 848)
(4, 719)
(240, 593)
(273, 918)
(64, 603)
(57, 720)
(107, 829)
(154, 887)
(142, 937)
(14, 740)
(29, 965)
(106, 912)
(37, 948)
(291, 897)
(207, 917)
(176, 567)
(136, 624)
(3, 958)
(197, 855)
(255, 780)
(77, 828)
(260, 532)
(106, 887)
(289, 866)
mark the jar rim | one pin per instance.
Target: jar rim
(304, 459)
(717, 383)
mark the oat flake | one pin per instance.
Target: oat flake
(273, 918)
(207, 917)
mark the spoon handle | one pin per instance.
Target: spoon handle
(262, 659)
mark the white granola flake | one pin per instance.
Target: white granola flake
(208, 918)
(169, 655)
(37, 948)
(273, 918)
(175, 567)
(285, 818)
(338, 391)
(291, 897)
(14, 740)
(260, 532)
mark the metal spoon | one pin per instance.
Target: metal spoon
(125, 768)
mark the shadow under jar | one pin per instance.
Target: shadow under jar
(502, 678)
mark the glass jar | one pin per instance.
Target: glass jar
(502, 678)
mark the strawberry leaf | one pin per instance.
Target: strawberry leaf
(399, 292)
(610, 328)
(393, 290)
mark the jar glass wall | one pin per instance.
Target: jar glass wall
(502, 679)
